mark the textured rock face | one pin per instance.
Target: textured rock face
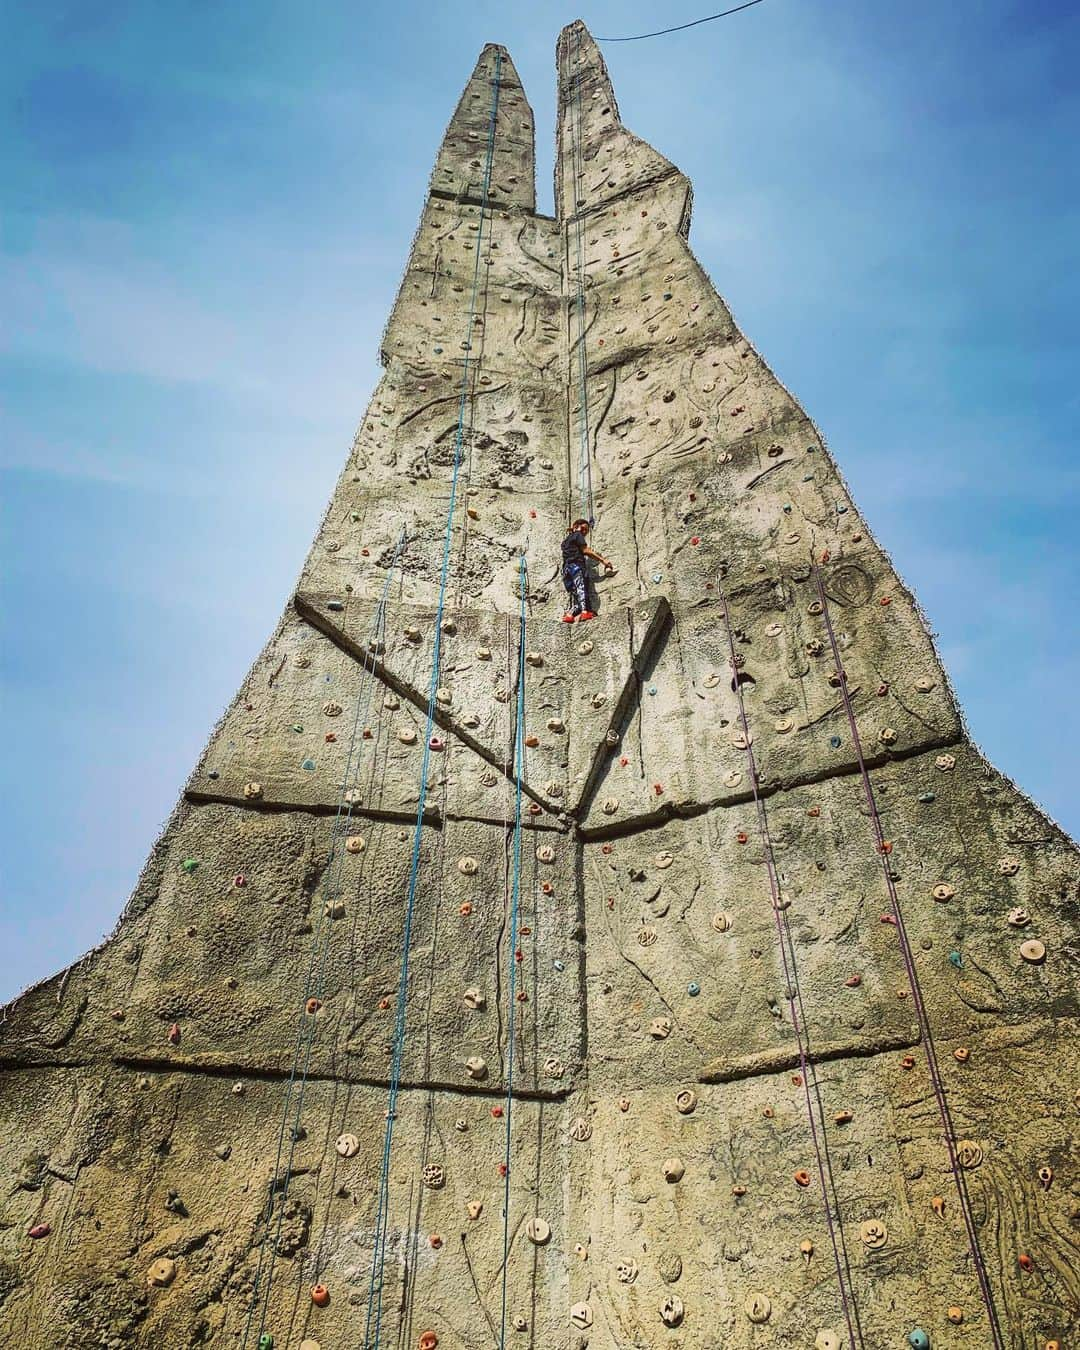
(741, 962)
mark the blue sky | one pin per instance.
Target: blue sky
(206, 212)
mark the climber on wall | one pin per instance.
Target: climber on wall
(575, 574)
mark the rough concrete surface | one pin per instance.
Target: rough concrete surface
(723, 1102)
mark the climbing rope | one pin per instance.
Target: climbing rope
(808, 1071)
(512, 959)
(373, 1321)
(916, 991)
(681, 27)
(307, 1024)
(585, 483)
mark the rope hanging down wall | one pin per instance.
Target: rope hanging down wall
(373, 1320)
(307, 1023)
(585, 483)
(808, 1070)
(883, 851)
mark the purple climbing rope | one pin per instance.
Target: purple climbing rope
(806, 1065)
(913, 980)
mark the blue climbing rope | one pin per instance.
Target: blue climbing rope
(373, 1321)
(515, 902)
(585, 483)
(315, 978)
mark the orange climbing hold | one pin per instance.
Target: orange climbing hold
(320, 1295)
(384, 1004)
(465, 908)
(312, 1006)
(908, 1062)
(658, 788)
(814, 812)
(885, 846)
(937, 1204)
(174, 1034)
(802, 1177)
(428, 1341)
(435, 1241)
(1025, 1262)
(885, 600)
(961, 1054)
(741, 837)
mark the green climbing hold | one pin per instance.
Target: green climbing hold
(309, 765)
(955, 959)
(918, 1339)
(189, 865)
(354, 516)
(296, 727)
(266, 1341)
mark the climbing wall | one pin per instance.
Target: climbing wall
(685, 978)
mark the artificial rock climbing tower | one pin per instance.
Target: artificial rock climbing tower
(683, 979)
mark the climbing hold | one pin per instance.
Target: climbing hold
(757, 1307)
(835, 742)
(581, 1316)
(741, 837)
(732, 778)
(320, 1295)
(534, 658)
(924, 684)
(955, 959)
(874, 1234)
(937, 1204)
(470, 719)
(693, 989)
(1046, 1177)
(554, 1067)
(355, 843)
(433, 1176)
(476, 1066)
(827, 1340)
(483, 653)
(474, 999)
(843, 1118)
(660, 1028)
(888, 736)
(853, 981)
(968, 1154)
(437, 743)
(347, 1145)
(918, 1339)
(580, 1129)
(955, 1315)
(1008, 867)
(685, 1101)
(1025, 1262)
(721, 921)
(673, 1169)
(532, 742)
(465, 908)
(802, 1177)
(496, 1113)
(1033, 951)
(468, 866)
(428, 1341)
(961, 1054)
(407, 736)
(308, 765)
(545, 854)
(943, 891)
(807, 1249)
(266, 1341)
(626, 1272)
(663, 860)
(1019, 918)
(173, 1035)
(40, 1230)
(945, 763)
(537, 1230)
(584, 648)
(332, 709)
(671, 1311)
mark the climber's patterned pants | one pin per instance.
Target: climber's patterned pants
(576, 583)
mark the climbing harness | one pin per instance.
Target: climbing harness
(808, 1071)
(585, 483)
(373, 1320)
(897, 919)
(512, 957)
(307, 1023)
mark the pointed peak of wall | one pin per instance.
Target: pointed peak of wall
(492, 119)
(598, 159)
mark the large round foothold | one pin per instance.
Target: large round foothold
(347, 1145)
(355, 843)
(969, 1154)
(827, 1340)
(545, 854)
(580, 1129)
(538, 1230)
(162, 1272)
(757, 1307)
(943, 891)
(671, 1311)
(686, 1101)
(407, 736)
(433, 1176)
(581, 1316)
(673, 1169)
(873, 1233)
(1033, 951)
(468, 866)
(918, 1339)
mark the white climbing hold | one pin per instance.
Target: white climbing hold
(581, 1316)
(663, 860)
(348, 1145)
(545, 854)
(721, 921)
(476, 1067)
(407, 736)
(537, 1230)
(610, 806)
(580, 1129)
(474, 999)
(332, 709)
(468, 866)
(252, 791)
(355, 843)
(660, 1028)
(584, 648)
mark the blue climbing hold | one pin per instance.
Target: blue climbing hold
(841, 509)
(835, 742)
(438, 351)
(308, 764)
(787, 508)
(926, 796)
(657, 577)
(693, 989)
(955, 959)
(918, 1339)
(652, 688)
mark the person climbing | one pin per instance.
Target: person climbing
(575, 575)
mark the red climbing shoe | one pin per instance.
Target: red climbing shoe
(586, 614)
(569, 618)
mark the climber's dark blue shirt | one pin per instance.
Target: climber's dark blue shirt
(572, 549)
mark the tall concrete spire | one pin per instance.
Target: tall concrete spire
(787, 963)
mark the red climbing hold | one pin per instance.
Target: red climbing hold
(502, 1169)
(40, 1230)
(365, 552)
(825, 555)
(497, 1112)
(885, 600)
(658, 788)
(606, 848)
(796, 1078)
(320, 1295)
(312, 1006)
(465, 908)
(741, 837)
(695, 540)
(518, 956)
(240, 881)
(802, 1177)
(814, 812)
(522, 996)
(1025, 1262)
(532, 515)
(330, 737)
(174, 1034)
(623, 761)
(853, 981)
(889, 918)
